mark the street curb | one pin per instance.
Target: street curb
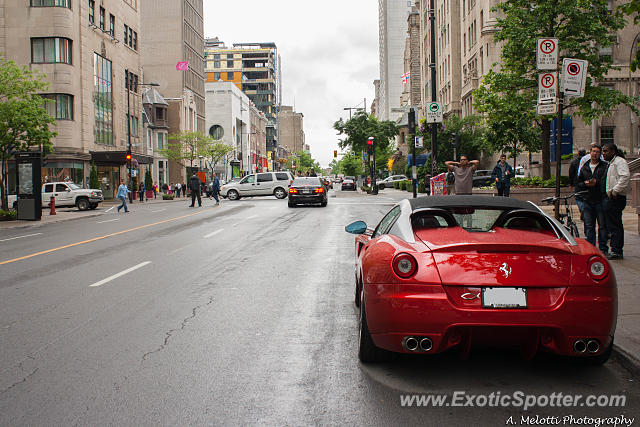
(630, 362)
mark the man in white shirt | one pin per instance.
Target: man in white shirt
(616, 189)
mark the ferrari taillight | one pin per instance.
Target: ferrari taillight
(598, 268)
(405, 265)
(293, 191)
(319, 190)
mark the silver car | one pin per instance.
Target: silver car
(388, 182)
(259, 184)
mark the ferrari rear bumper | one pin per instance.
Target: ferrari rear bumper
(582, 314)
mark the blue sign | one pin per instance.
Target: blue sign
(567, 137)
(421, 159)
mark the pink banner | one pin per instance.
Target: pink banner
(182, 66)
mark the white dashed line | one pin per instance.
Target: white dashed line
(20, 237)
(122, 273)
(110, 220)
(214, 233)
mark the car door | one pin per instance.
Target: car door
(62, 193)
(247, 185)
(47, 192)
(264, 184)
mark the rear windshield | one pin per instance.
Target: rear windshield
(307, 181)
(480, 219)
(282, 176)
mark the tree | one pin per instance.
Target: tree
(215, 150)
(303, 162)
(335, 167)
(582, 28)
(360, 127)
(93, 177)
(351, 164)
(24, 122)
(148, 181)
(187, 145)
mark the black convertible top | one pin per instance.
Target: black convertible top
(470, 201)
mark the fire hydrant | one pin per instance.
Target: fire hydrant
(52, 206)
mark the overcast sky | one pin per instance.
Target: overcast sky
(329, 52)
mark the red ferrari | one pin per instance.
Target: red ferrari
(451, 271)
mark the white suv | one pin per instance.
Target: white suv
(388, 182)
(259, 184)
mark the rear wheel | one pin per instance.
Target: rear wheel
(367, 350)
(380, 186)
(233, 195)
(82, 204)
(280, 193)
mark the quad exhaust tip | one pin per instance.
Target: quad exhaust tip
(580, 346)
(417, 343)
(593, 346)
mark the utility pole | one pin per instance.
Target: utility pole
(559, 152)
(432, 65)
(129, 154)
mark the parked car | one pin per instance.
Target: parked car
(67, 194)
(455, 271)
(388, 181)
(348, 184)
(258, 184)
(307, 190)
(482, 178)
(328, 183)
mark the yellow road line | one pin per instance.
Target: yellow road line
(96, 238)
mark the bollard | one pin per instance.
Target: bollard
(52, 206)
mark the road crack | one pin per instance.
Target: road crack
(24, 380)
(170, 333)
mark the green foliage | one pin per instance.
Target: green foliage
(215, 150)
(471, 142)
(303, 163)
(421, 187)
(349, 165)
(167, 197)
(399, 165)
(187, 145)
(148, 181)
(567, 156)
(536, 181)
(24, 122)
(357, 131)
(7, 215)
(93, 177)
(335, 167)
(396, 185)
(582, 27)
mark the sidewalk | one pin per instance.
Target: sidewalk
(66, 214)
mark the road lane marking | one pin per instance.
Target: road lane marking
(109, 220)
(98, 238)
(159, 210)
(252, 216)
(20, 237)
(122, 273)
(214, 233)
(109, 209)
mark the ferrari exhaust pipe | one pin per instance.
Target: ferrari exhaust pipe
(426, 344)
(579, 346)
(411, 344)
(593, 346)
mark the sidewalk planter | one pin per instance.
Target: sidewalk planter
(148, 194)
(167, 197)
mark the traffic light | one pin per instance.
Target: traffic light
(128, 156)
(335, 153)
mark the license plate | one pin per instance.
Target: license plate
(504, 297)
(306, 191)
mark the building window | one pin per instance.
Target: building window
(131, 81)
(229, 64)
(216, 132)
(92, 12)
(102, 14)
(60, 107)
(48, 3)
(51, 50)
(112, 25)
(230, 76)
(130, 37)
(160, 141)
(216, 64)
(229, 55)
(159, 113)
(150, 139)
(216, 56)
(606, 135)
(126, 33)
(216, 77)
(135, 41)
(103, 99)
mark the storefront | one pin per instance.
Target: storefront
(109, 179)
(73, 171)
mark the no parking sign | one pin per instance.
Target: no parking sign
(574, 76)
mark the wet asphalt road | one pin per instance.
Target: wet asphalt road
(241, 314)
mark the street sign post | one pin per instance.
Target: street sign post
(547, 54)
(434, 112)
(547, 87)
(574, 76)
(419, 142)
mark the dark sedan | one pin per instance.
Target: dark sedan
(348, 184)
(307, 190)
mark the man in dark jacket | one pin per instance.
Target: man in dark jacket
(215, 188)
(592, 178)
(502, 174)
(194, 186)
(573, 167)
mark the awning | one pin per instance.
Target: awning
(118, 158)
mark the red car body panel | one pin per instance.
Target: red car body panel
(442, 300)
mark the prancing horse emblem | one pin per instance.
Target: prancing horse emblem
(505, 269)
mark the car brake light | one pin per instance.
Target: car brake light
(404, 265)
(319, 190)
(598, 268)
(293, 191)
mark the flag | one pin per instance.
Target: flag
(405, 77)
(182, 66)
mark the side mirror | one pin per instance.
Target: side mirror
(68, 190)
(358, 227)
